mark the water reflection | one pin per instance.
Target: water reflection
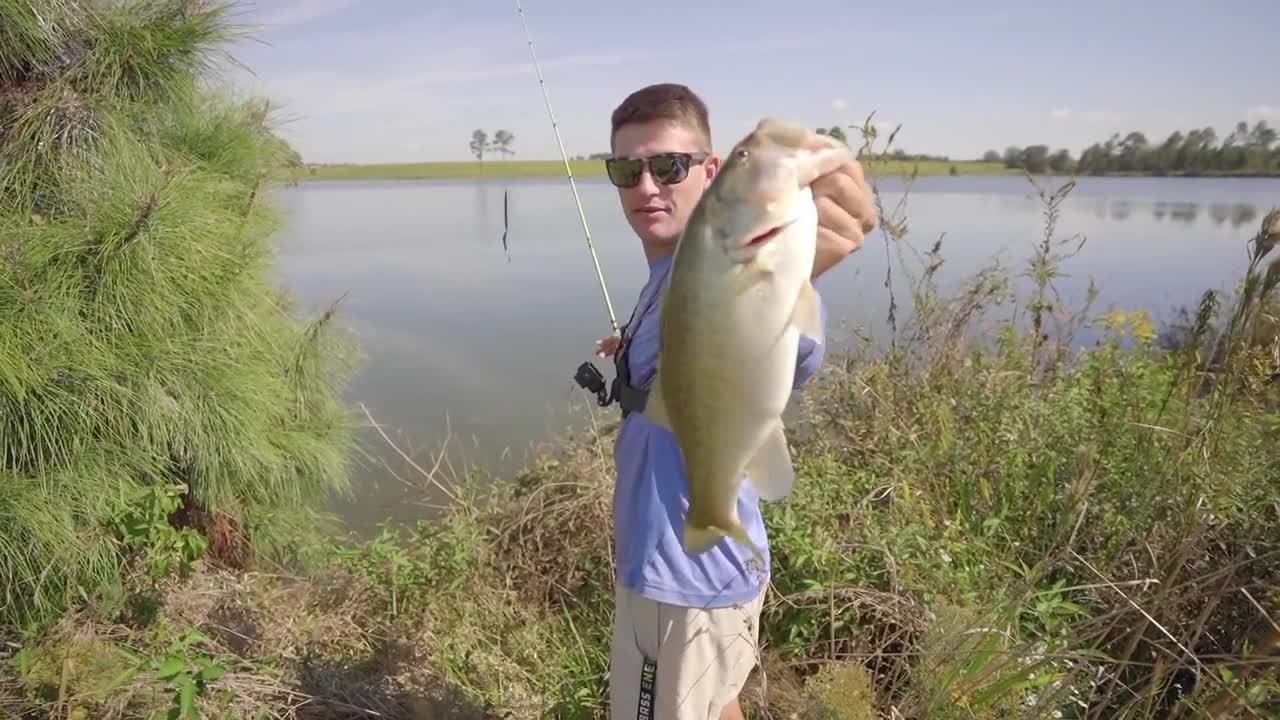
(1238, 215)
(1242, 215)
(1120, 209)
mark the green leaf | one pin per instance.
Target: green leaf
(211, 672)
(170, 667)
(187, 697)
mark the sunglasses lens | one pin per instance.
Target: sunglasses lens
(669, 169)
(624, 173)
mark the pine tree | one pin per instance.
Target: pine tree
(156, 395)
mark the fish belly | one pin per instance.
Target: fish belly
(746, 372)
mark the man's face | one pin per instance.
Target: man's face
(656, 211)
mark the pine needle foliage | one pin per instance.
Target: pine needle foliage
(142, 344)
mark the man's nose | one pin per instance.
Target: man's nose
(647, 184)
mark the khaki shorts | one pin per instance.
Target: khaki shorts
(701, 657)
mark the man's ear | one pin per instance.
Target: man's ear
(712, 165)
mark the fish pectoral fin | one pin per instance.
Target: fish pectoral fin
(770, 472)
(655, 410)
(805, 316)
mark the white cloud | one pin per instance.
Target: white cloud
(1270, 113)
(300, 11)
(839, 104)
(1059, 113)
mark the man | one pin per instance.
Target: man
(687, 624)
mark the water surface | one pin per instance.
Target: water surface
(461, 339)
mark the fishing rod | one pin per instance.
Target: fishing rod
(568, 171)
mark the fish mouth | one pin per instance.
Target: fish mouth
(768, 235)
(764, 237)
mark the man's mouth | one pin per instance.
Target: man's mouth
(650, 210)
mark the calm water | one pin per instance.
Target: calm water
(460, 339)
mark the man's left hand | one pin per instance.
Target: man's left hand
(846, 214)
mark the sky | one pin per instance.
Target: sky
(370, 81)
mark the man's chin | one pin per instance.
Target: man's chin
(665, 240)
(654, 230)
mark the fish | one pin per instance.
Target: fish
(738, 297)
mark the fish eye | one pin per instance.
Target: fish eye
(742, 152)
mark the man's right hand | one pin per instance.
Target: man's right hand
(607, 346)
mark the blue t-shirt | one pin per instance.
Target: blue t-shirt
(650, 496)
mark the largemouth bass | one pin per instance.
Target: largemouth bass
(738, 298)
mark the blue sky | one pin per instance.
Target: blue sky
(396, 80)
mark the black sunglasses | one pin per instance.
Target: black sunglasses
(667, 168)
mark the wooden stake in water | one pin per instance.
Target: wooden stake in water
(506, 223)
(581, 214)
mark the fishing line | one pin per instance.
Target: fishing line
(568, 171)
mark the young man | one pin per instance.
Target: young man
(686, 627)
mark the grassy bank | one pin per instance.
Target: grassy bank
(986, 524)
(502, 169)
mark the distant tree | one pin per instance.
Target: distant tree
(502, 140)
(1132, 148)
(834, 131)
(1239, 136)
(1262, 135)
(1060, 162)
(1035, 158)
(1094, 160)
(1193, 152)
(991, 156)
(479, 143)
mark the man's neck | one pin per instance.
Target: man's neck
(655, 253)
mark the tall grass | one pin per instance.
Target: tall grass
(142, 346)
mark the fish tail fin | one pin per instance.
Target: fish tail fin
(738, 533)
(701, 539)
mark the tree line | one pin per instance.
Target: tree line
(500, 143)
(1245, 150)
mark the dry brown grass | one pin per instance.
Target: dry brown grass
(553, 526)
(293, 648)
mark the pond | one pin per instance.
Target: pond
(462, 339)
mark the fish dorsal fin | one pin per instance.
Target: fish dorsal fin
(770, 472)
(805, 315)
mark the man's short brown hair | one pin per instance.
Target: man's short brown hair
(663, 101)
